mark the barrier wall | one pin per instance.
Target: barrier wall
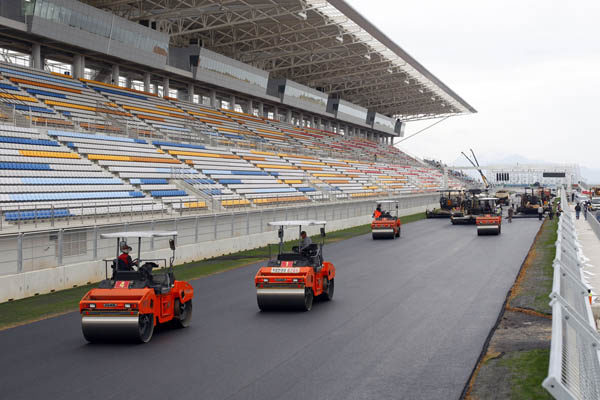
(42, 261)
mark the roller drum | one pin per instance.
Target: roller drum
(383, 233)
(488, 230)
(104, 328)
(281, 298)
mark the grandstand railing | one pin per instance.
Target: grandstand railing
(48, 247)
(574, 368)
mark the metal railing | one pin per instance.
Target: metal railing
(53, 247)
(574, 369)
(593, 221)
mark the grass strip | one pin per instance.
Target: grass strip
(19, 312)
(527, 369)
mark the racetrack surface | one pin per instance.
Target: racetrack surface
(408, 321)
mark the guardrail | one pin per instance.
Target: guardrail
(593, 221)
(574, 368)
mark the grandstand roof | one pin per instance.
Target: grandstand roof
(323, 44)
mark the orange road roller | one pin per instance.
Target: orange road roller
(489, 224)
(386, 221)
(139, 295)
(292, 280)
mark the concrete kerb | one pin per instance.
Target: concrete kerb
(18, 286)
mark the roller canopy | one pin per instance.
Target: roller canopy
(146, 234)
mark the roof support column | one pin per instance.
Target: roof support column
(301, 119)
(232, 103)
(190, 92)
(78, 66)
(115, 74)
(288, 116)
(36, 60)
(147, 79)
(213, 98)
(166, 86)
(250, 107)
(261, 109)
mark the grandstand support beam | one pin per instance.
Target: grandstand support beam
(190, 92)
(288, 116)
(232, 101)
(261, 109)
(166, 84)
(115, 74)
(213, 98)
(147, 82)
(78, 66)
(36, 56)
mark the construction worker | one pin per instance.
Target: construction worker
(377, 212)
(125, 261)
(577, 210)
(305, 241)
(510, 214)
(540, 211)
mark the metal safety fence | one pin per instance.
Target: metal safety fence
(574, 369)
(592, 219)
(49, 248)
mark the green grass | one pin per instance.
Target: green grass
(38, 307)
(527, 371)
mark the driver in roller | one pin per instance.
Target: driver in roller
(125, 261)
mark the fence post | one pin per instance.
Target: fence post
(247, 222)
(232, 223)
(196, 229)
(152, 238)
(20, 253)
(262, 228)
(95, 242)
(59, 256)
(215, 226)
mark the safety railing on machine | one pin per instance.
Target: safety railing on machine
(574, 369)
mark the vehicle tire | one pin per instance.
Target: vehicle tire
(500, 229)
(183, 313)
(145, 327)
(328, 295)
(398, 234)
(308, 299)
(452, 221)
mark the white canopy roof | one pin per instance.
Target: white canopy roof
(142, 234)
(297, 223)
(386, 201)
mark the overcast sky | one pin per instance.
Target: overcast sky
(530, 68)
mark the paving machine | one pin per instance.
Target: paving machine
(449, 200)
(489, 223)
(137, 296)
(388, 224)
(294, 279)
(469, 209)
(502, 197)
(530, 201)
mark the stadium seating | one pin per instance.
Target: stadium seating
(145, 167)
(41, 178)
(161, 154)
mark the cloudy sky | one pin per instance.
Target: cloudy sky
(530, 68)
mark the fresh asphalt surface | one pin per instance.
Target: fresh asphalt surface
(408, 321)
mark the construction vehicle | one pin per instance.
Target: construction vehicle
(388, 224)
(476, 165)
(449, 200)
(489, 223)
(503, 197)
(530, 201)
(470, 208)
(294, 279)
(128, 305)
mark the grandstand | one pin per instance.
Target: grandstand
(139, 115)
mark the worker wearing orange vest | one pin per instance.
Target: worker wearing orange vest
(377, 212)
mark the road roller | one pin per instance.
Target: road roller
(139, 294)
(292, 280)
(490, 222)
(386, 221)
